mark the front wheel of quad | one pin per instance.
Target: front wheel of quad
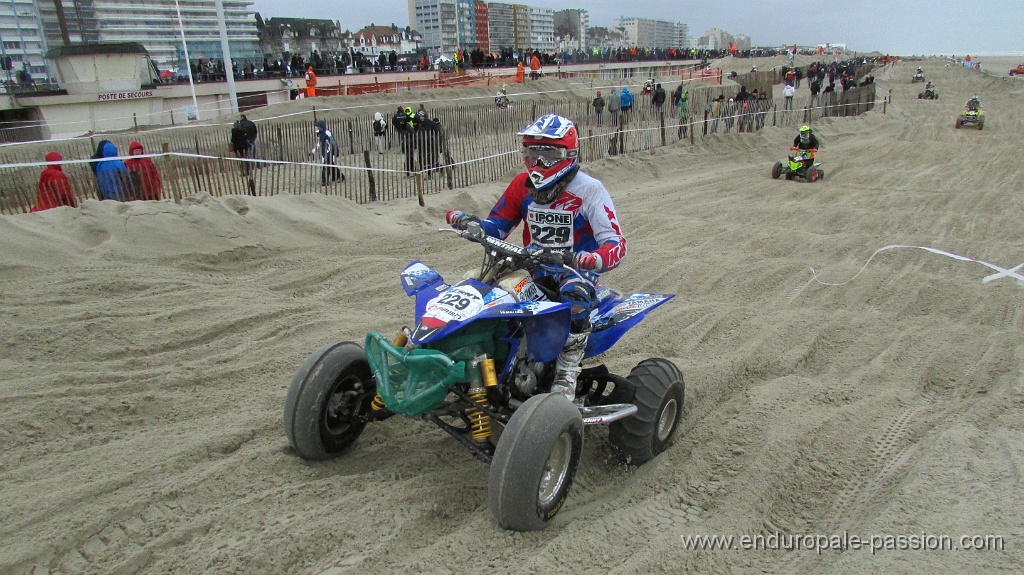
(329, 394)
(958, 123)
(813, 175)
(776, 170)
(659, 399)
(535, 462)
(981, 124)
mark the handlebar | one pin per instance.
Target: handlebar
(527, 257)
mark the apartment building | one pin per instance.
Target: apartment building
(646, 33)
(542, 29)
(22, 43)
(500, 26)
(446, 25)
(480, 11)
(571, 29)
(154, 24)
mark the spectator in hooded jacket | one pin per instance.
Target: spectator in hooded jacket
(144, 173)
(613, 106)
(112, 178)
(658, 100)
(626, 101)
(97, 155)
(54, 189)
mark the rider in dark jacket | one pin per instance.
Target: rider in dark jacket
(806, 140)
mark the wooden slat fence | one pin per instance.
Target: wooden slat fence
(478, 145)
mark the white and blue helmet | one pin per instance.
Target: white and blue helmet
(550, 151)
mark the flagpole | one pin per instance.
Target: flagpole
(188, 63)
(229, 72)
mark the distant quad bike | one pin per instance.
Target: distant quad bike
(918, 77)
(930, 94)
(478, 364)
(970, 117)
(801, 165)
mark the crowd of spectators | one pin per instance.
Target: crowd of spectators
(136, 178)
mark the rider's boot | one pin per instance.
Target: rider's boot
(567, 366)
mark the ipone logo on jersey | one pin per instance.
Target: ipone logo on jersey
(556, 217)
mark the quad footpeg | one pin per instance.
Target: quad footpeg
(600, 414)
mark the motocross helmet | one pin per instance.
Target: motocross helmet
(805, 133)
(550, 151)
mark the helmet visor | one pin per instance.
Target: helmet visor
(545, 156)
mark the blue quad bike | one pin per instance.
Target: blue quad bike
(479, 364)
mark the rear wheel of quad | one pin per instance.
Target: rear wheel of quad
(535, 462)
(776, 170)
(813, 175)
(981, 123)
(958, 123)
(821, 174)
(659, 399)
(329, 394)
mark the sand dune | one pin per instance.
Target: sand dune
(147, 349)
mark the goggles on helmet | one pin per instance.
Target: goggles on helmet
(546, 156)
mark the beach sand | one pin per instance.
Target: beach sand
(147, 349)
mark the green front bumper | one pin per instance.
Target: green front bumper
(411, 382)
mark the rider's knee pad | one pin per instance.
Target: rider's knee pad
(580, 295)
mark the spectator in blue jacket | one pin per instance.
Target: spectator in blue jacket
(112, 178)
(626, 101)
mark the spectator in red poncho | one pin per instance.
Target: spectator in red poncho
(144, 173)
(54, 189)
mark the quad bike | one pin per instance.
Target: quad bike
(929, 94)
(970, 117)
(501, 101)
(801, 164)
(918, 77)
(478, 364)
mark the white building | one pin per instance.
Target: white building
(446, 25)
(646, 33)
(154, 24)
(21, 40)
(542, 29)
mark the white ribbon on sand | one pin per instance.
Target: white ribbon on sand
(1001, 272)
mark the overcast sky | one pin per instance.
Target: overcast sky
(895, 26)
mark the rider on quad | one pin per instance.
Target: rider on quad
(501, 98)
(806, 140)
(563, 208)
(974, 104)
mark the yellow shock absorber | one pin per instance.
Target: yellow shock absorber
(479, 421)
(400, 339)
(487, 373)
(378, 403)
